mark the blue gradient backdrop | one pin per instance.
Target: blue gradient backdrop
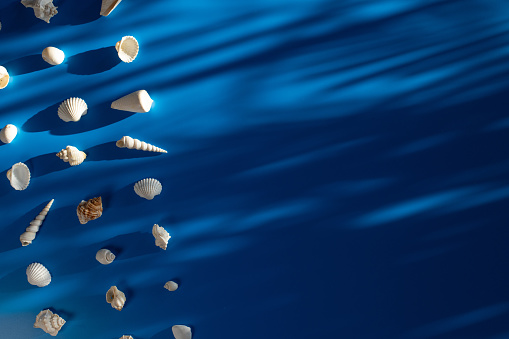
(335, 169)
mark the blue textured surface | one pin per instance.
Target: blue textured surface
(335, 169)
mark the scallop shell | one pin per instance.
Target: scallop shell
(72, 155)
(105, 256)
(171, 286)
(116, 298)
(19, 176)
(89, 210)
(127, 48)
(53, 55)
(38, 275)
(49, 322)
(4, 77)
(8, 133)
(31, 231)
(148, 188)
(128, 142)
(181, 332)
(72, 109)
(108, 6)
(137, 102)
(43, 9)
(161, 236)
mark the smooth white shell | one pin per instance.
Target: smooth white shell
(43, 9)
(19, 176)
(8, 133)
(49, 322)
(116, 298)
(105, 256)
(4, 77)
(128, 142)
(72, 109)
(171, 286)
(53, 55)
(137, 102)
(161, 236)
(108, 6)
(31, 231)
(127, 48)
(72, 155)
(181, 332)
(148, 188)
(38, 275)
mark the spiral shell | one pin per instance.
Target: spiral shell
(181, 332)
(49, 322)
(136, 102)
(72, 155)
(53, 55)
(4, 77)
(108, 6)
(8, 133)
(43, 9)
(104, 256)
(127, 48)
(171, 286)
(38, 275)
(116, 298)
(30, 232)
(19, 176)
(89, 210)
(72, 109)
(161, 236)
(148, 188)
(128, 142)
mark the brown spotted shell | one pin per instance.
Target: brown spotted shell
(89, 210)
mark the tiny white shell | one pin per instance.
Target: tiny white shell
(53, 55)
(19, 176)
(38, 275)
(72, 109)
(108, 6)
(72, 155)
(148, 188)
(127, 48)
(116, 298)
(171, 286)
(105, 256)
(49, 322)
(161, 236)
(181, 332)
(4, 77)
(136, 102)
(8, 133)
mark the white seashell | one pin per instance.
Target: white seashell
(8, 133)
(72, 109)
(126, 337)
(171, 286)
(161, 236)
(108, 6)
(38, 275)
(43, 9)
(49, 322)
(19, 176)
(72, 155)
(127, 48)
(104, 256)
(181, 332)
(137, 102)
(116, 298)
(128, 142)
(4, 77)
(31, 231)
(53, 55)
(148, 188)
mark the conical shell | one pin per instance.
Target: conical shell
(137, 102)
(4, 77)
(89, 210)
(108, 6)
(19, 176)
(49, 322)
(72, 109)
(53, 55)
(161, 236)
(38, 275)
(171, 286)
(128, 142)
(72, 155)
(116, 298)
(8, 133)
(127, 48)
(104, 256)
(148, 188)
(182, 332)
(31, 231)
(43, 9)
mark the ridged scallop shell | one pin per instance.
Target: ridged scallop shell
(49, 322)
(31, 231)
(148, 188)
(108, 6)
(128, 142)
(89, 210)
(8, 133)
(4, 77)
(171, 286)
(127, 48)
(19, 176)
(72, 155)
(53, 55)
(72, 109)
(43, 9)
(105, 256)
(136, 102)
(38, 275)
(116, 298)
(181, 332)
(161, 236)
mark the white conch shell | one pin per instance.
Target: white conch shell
(108, 6)
(30, 232)
(43, 9)
(137, 102)
(128, 142)
(19, 176)
(148, 188)
(161, 236)
(8, 133)
(38, 275)
(49, 322)
(53, 55)
(126, 337)
(72, 109)
(4, 77)
(181, 332)
(105, 256)
(72, 155)
(116, 298)
(171, 286)
(127, 48)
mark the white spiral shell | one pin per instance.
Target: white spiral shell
(53, 55)
(181, 332)
(49, 322)
(72, 109)
(116, 298)
(30, 232)
(136, 102)
(8, 133)
(19, 176)
(105, 256)
(4, 77)
(38, 275)
(72, 155)
(171, 286)
(128, 142)
(161, 236)
(127, 48)
(148, 188)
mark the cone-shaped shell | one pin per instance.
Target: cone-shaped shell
(148, 188)
(104, 256)
(89, 210)
(127, 48)
(19, 176)
(137, 102)
(53, 55)
(116, 298)
(108, 6)
(8, 133)
(161, 236)
(182, 332)
(38, 275)
(128, 142)
(72, 155)
(4, 77)
(43, 9)
(171, 286)
(49, 322)
(72, 109)
(31, 231)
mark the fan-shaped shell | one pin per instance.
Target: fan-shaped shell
(49, 322)
(127, 48)
(181, 332)
(4, 77)
(19, 176)
(53, 55)
(72, 109)
(105, 256)
(171, 286)
(148, 188)
(137, 102)
(161, 236)
(116, 298)
(89, 210)
(72, 155)
(108, 6)
(38, 275)
(8, 133)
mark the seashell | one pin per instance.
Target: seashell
(126, 337)
(137, 102)
(4, 77)
(53, 55)
(72, 109)
(49, 322)
(31, 231)
(89, 210)
(104, 256)
(127, 48)
(72, 155)
(181, 332)
(8, 133)
(148, 188)
(116, 298)
(43, 9)
(108, 6)
(19, 176)
(128, 142)
(38, 275)
(161, 236)
(171, 286)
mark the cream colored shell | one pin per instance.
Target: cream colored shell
(53, 55)
(181, 332)
(116, 298)
(72, 155)
(4, 77)
(105, 256)
(8, 133)
(38, 275)
(127, 48)
(19, 176)
(49, 322)
(126, 337)
(108, 6)
(31, 231)
(128, 142)
(148, 188)
(43, 9)
(136, 102)
(72, 109)
(171, 286)
(161, 236)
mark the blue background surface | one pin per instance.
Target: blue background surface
(335, 169)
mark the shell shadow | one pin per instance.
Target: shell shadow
(164, 334)
(5, 186)
(94, 61)
(66, 315)
(27, 64)
(109, 151)
(15, 281)
(45, 164)
(20, 19)
(74, 13)
(123, 197)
